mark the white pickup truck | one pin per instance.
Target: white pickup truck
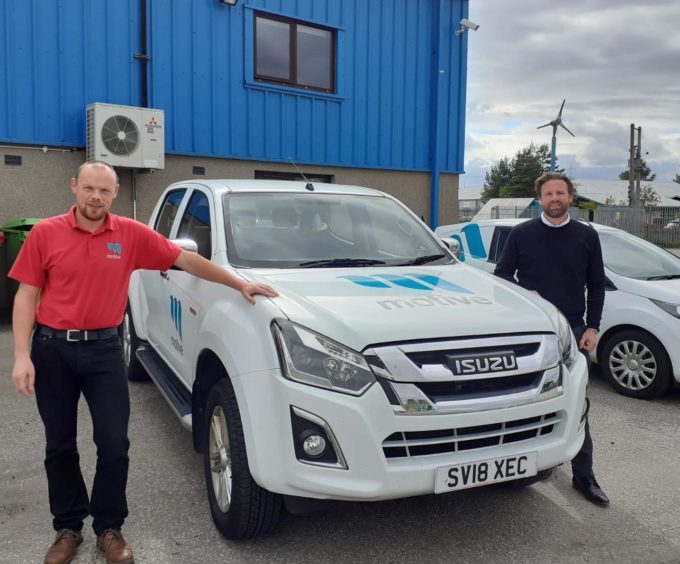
(384, 369)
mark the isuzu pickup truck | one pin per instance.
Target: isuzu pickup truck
(384, 369)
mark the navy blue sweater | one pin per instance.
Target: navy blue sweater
(560, 263)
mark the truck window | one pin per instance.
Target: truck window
(195, 224)
(166, 216)
(500, 236)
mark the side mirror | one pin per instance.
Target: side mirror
(186, 245)
(453, 246)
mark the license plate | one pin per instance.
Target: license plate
(485, 472)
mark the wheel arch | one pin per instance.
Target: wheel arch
(209, 370)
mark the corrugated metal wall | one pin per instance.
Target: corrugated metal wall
(56, 57)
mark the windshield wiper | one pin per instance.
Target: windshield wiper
(422, 260)
(340, 262)
(664, 277)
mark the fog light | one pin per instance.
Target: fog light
(314, 445)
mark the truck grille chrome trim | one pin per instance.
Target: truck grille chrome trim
(409, 444)
(468, 375)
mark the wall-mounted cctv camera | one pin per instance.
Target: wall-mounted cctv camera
(466, 24)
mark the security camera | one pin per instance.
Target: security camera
(466, 24)
(470, 25)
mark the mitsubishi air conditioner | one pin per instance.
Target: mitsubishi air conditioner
(125, 136)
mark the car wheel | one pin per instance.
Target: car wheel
(240, 508)
(524, 482)
(133, 368)
(636, 364)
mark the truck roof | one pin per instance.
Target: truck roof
(243, 185)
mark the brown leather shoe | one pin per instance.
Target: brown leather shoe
(64, 547)
(113, 545)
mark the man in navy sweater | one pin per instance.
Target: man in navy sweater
(561, 260)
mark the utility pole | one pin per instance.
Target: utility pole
(634, 166)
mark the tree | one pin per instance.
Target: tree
(611, 201)
(515, 178)
(677, 178)
(645, 172)
(648, 196)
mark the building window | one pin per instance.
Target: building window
(294, 53)
(275, 175)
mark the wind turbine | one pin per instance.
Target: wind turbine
(557, 121)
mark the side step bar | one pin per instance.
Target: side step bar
(170, 386)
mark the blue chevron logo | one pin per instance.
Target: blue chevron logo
(410, 281)
(176, 314)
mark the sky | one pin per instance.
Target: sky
(616, 62)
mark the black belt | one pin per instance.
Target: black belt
(73, 335)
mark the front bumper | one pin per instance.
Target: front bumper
(362, 424)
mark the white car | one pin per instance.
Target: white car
(639, 338)
(384, 369)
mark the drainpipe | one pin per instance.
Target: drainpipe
(143, 55)
(435, 121)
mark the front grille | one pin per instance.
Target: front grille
(462, 375)
(423, 443)
(472, 389)
(436, 357)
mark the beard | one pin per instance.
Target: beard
(92, 214)
(556, 210)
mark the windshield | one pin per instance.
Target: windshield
(274, 230)
(633, 257)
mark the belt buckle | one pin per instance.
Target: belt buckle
(81, 335)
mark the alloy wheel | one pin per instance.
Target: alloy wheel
(220, 459)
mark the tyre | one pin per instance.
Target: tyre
(636, 364)
(240, 508)
(133, 368)
(524, 482)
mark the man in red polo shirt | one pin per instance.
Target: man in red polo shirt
(79, 265)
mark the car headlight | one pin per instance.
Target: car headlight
(567, 342)
(673, 309)
(310, 358)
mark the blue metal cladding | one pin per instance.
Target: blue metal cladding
(56, 57)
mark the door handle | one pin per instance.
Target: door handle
(165, 275)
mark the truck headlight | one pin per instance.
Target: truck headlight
(310, 358)
(673, 309)
(567, 342)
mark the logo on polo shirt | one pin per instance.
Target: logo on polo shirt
(116, 250)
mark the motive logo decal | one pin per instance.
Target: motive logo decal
(426, 282)
(474, 240)
(176, 316)
(116, 250)
(418, 282)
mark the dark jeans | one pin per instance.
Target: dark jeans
(582, 463)
(64, 370)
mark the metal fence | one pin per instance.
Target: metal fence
(658, 225)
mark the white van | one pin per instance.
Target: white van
(638, 346)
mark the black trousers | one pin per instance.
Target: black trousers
(582, 463)
(64, 370)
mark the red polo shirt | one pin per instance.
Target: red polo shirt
(84, 276)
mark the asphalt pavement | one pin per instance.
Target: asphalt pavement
(637, 461)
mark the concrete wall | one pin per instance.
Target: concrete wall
(40, 186)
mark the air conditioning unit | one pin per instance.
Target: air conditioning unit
(125, 136)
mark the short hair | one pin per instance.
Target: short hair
(541, 180)
(98, 164)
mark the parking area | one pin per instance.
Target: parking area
(636, 460)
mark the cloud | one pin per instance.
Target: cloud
(615, 61)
